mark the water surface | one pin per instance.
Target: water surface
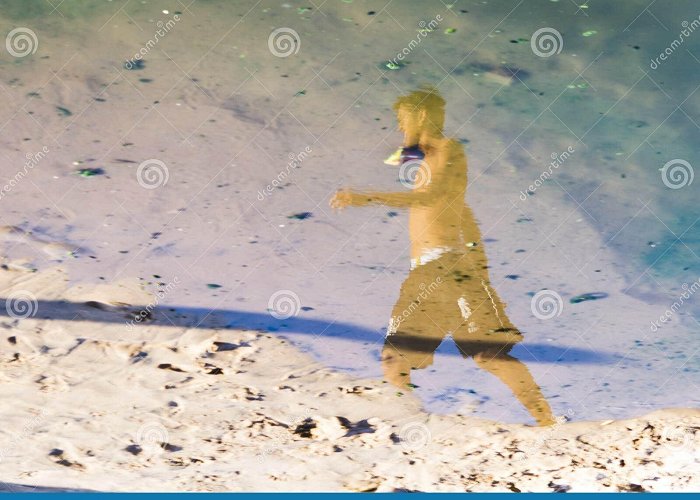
(247, 137)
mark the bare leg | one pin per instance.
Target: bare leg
(513, 373)
(397, 369)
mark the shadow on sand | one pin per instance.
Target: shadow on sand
(188, 317)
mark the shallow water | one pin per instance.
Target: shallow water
(248, 143)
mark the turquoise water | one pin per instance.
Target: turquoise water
(255, 132)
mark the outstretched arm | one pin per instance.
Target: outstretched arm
(350, 198)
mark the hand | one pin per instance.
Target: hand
(341, 199)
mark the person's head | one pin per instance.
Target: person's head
(422, 111)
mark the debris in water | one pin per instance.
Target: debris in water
(503, 74)
(300, 216)
(588, 296)
(449, 31)
(589, 33)
(213, 285)
(90, 172)
(63, 111)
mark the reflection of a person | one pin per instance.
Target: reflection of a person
(447, 290)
